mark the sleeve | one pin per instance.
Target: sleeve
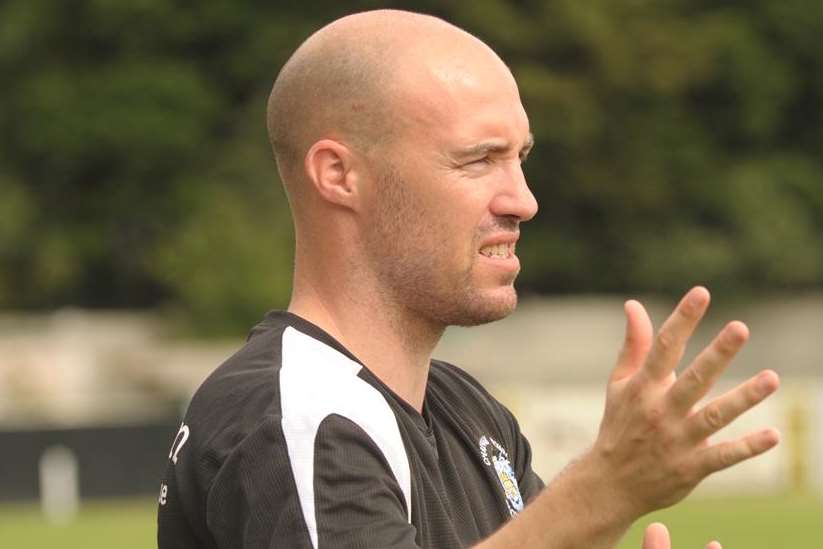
(353, 500)
(358, 501)
(252, 502)
(180, 496)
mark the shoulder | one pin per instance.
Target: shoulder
(325, 423)
(238, 399)
(293, 374)
(283, 420)
(448, 374)
(466, 397)
(244, 388)
(318, 381)
(451, 379)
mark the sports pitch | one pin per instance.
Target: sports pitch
(794, 522)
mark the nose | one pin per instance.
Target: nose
(514, 197)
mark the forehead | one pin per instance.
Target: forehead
(458, 102)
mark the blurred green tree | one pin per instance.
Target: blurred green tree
(677, 142)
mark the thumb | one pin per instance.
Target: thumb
(657, 537)
(637, 342)
(714, 545)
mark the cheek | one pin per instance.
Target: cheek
(459, 238)
(446, 221)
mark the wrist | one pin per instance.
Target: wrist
(582, 507)
(591, 488)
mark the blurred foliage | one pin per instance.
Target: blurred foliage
(678, 142)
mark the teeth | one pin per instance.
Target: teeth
(497, 250)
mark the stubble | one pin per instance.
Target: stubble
(416, 272)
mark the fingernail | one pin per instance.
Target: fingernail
(765, 382)
(696, 298)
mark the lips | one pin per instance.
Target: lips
(500, 247)
(498, 251)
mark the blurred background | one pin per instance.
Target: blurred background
(143, 231)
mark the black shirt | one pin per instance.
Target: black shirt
(293, 443)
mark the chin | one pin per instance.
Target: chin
(488, 306)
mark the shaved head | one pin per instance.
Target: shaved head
(399, 139)
(344, 83)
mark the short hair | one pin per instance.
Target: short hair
(329, 88)
(339, 83)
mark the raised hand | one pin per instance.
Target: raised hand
(657, 537)
(653, 448)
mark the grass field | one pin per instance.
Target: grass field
(784, 522)
(127, 524)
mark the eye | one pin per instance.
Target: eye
(482, 161)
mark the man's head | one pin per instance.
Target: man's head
(399, 139)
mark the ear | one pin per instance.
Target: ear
(329, 165)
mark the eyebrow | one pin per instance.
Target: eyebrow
(497, 146)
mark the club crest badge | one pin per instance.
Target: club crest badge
(494, 455)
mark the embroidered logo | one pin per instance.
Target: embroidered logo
(493, 454)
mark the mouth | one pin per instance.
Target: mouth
(502, 250)
(498, 251)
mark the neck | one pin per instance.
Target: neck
(393, 342)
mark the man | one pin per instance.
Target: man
(399, 139)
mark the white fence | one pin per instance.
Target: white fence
(561, 422)
(549, 362)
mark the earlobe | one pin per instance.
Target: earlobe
(328, 165)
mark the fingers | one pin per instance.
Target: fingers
(637, 342)
(724, 455)
(696, 381)
(670, 343)
(656, 537)
(726, 408)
